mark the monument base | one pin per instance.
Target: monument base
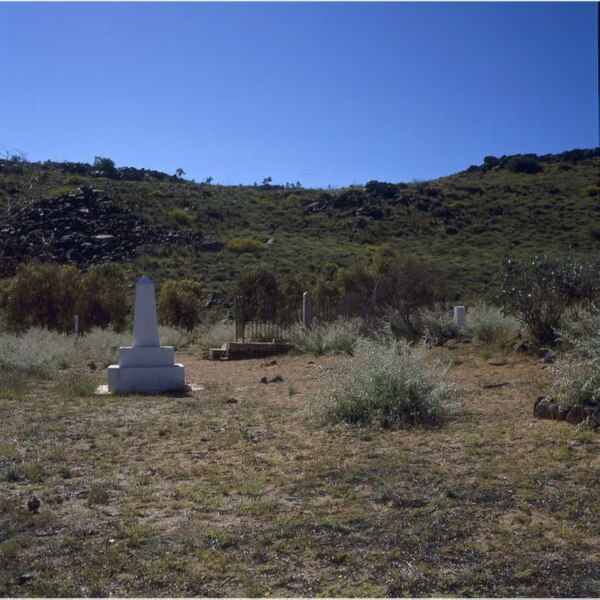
(147, 380)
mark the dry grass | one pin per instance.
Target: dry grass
(199, 496)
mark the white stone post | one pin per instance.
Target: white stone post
(307, 309)
(460, 314)
(146, 367)
(145, 321)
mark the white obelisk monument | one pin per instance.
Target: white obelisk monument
(145, 367)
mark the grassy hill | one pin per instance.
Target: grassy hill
(464, 224)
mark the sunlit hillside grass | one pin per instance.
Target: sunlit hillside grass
(465, 224)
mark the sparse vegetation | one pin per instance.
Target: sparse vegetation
(245, 244)
(337, 337)
(577, 372)
(488, 324)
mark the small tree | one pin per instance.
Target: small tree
(179, 173)
(403, 286)
(267, 180)
(257, 293)
(356, 283)
(105, 166)
(291, 288)
(538, 291)
(41, 295)
(179, 303)
(102, 298)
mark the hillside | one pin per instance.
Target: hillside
(465, 224)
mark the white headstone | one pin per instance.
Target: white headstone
(146, 367)
(460, 315)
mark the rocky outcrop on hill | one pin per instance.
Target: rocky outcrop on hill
(84, 228)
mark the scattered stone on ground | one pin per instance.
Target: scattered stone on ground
(231, 401)
(547, 408)
(25, 577)
(84, 228)
(489, 386)
(497, 362)
(276, 379)
(33, 503)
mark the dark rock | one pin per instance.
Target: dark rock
(489, 386)
(578, 413)
(549, 357)
(523, 347)
(277, 379)
(269, 363)
(231, 401)
(33, 503)
(25, 578)
(562, 412)
(84, 228)
(264, 380)
(544, 407)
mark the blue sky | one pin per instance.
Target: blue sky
(319, 93)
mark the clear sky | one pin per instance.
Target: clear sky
(319, 93)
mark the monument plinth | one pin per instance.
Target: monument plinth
(145, 367)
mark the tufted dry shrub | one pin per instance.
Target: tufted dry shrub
(388, 384)
(577, 372)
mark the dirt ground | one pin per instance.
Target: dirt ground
(204, 495)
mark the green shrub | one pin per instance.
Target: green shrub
(539, 291)
(76, 180)
(589, 191)
(180, 302)
(338, 337)
(245, 244)
(390, 385)
(61, 191)
(181, 217)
